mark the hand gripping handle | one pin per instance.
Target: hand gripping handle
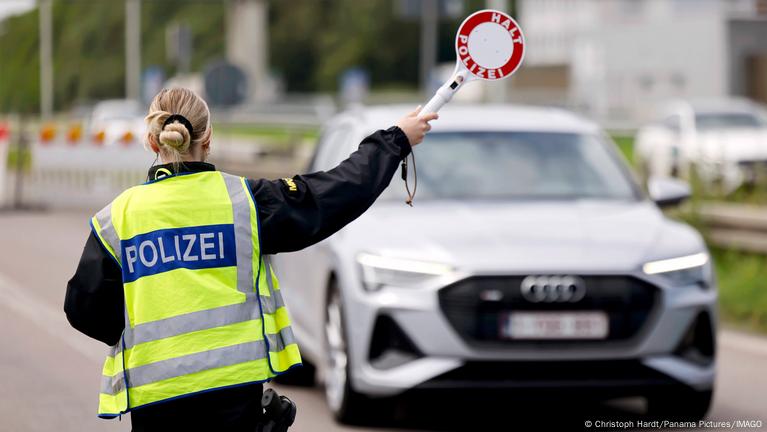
(443, 95)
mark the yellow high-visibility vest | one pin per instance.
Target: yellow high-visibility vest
(203, 308)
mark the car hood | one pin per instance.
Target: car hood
(568, 236)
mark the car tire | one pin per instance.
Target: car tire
(347, 405)
(683, 404)
(303, 376)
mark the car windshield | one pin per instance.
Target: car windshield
(728, 120)
(517, 165)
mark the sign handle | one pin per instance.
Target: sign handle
(443, 94)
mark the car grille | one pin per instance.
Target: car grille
(626, 300)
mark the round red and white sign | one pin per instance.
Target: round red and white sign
(490, 45)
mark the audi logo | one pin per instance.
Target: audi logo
(553, 289)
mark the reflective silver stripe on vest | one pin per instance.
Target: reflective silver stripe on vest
(243, 233)
(114, 384)
(192, 321)
(108, 233)
(274, 301)
(185, 365)
(200, 320)
(268, 268)
(278, 342)
(195, 321)
(285, 337)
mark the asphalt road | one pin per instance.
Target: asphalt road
(49, 373)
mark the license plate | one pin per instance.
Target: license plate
(554, 325)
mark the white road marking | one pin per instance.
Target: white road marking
(743, 342)
(47, 317)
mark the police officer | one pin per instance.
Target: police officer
(175, 275)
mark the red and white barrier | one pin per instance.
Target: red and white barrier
(72, 170)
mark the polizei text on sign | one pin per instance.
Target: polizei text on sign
(486, 60)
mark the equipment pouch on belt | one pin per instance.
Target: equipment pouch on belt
(279, 412)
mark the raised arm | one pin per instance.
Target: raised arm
(299, 212)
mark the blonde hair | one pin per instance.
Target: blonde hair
(174, 139)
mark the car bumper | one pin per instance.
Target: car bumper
(436, 356)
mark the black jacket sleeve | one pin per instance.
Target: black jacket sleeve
(94, 299)
(299, 212)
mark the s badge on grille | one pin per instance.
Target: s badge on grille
(553, 289)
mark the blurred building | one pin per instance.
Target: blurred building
(248, 44)
(614, 60)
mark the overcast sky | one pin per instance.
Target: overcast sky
(12, 7)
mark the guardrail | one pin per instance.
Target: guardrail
(736, 226)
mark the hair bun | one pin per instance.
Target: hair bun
(177, 123)
(177, 136)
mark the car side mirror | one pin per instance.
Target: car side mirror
(667, 191)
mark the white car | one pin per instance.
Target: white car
(724, 140)
(117, 121)
(531, 261)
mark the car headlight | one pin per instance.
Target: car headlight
(684, 270)
(378, 271)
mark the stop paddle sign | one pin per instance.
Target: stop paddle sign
(489, 46)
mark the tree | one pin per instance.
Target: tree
(89, 48)
(311, 43)
(19, 64)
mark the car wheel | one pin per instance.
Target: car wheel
(347, 405)
(298, 376)
(686, 404)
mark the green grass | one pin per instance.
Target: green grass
(626, 145)
(755, 194)
(742, 288)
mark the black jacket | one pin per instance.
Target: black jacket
(292, 217)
